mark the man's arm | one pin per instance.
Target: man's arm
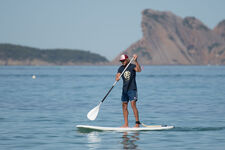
(137, 68)
(117, 76)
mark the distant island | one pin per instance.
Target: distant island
(11, 54)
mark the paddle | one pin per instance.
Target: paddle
(92, 114)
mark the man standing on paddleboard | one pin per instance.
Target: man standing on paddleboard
(129, 92)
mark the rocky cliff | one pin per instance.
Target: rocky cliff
(220, 29)
(170, 40)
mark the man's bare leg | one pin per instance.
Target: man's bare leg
(125, 114)
(135, 110)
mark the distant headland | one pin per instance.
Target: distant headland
(11, 54)
(171, 40)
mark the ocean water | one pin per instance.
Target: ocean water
(42, 113)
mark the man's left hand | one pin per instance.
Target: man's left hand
(135, 57)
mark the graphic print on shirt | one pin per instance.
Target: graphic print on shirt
(127, 75)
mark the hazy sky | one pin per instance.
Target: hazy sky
(106, 27)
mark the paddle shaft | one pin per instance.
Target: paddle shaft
(118, 80)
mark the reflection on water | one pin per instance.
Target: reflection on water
(129, 140)
(93, 140)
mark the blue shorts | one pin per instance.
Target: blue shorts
(129, 96)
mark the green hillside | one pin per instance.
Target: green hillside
(51, 56)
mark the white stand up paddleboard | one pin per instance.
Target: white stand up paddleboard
(149, 128)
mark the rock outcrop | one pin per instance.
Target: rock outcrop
(220, 29)
(171, 40)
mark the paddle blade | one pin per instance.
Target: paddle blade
(92, 114)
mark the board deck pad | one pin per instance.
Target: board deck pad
(149, 128)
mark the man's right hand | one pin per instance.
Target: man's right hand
(118, 76)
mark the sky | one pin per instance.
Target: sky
(106, 27)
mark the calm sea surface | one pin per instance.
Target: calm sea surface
(42, 113)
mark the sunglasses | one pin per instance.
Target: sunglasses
(122, 60)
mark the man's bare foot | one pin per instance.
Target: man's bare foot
(124, 126)
(137, 126)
